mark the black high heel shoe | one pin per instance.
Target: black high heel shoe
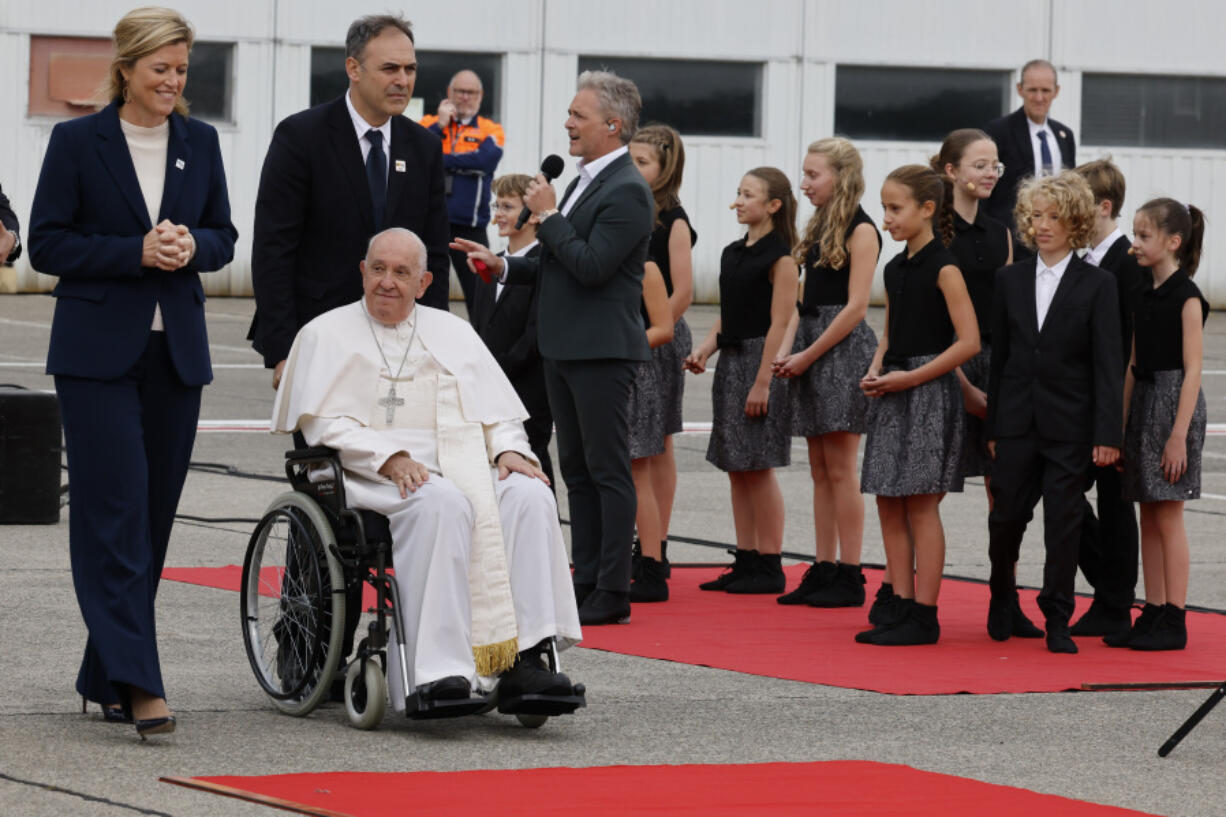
(110, 714)
(155, 726)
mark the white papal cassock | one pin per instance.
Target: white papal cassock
(464, 533)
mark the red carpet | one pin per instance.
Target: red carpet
(753, 634)
(849, 788)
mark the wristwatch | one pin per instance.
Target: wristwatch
(544, 214)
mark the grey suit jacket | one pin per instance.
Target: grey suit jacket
(590, 270)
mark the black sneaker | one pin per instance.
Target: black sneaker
(816, 577)
(766, 578)
(651, 583)
(846, 589)
(919, 626)
(744, 562)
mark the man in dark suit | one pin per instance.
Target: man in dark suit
(1028, 142)
(1055, 394)
(590, 330)
(335, 175)
(1109, 543)
(10, 232)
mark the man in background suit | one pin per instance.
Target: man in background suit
(1029, 142)
(590, 331)
(335, 175)
(10, 232)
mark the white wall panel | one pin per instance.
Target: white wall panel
(1183, 37)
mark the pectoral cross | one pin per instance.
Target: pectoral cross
(390, 403)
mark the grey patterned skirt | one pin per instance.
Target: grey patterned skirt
(740, 443)
(646, 412)
(915, 437)
(827, 397)
(1151, 416)
(975, 459)
(668, 360)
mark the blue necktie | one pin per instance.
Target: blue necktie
(1045, 154)
(376, 175)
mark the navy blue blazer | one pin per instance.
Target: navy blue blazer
(87, 226)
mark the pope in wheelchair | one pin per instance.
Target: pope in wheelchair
(428, 433)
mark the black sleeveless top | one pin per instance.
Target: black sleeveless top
(981, 249)
(824, 285)
(745, 287)
(919, 317)
(657, 248)
(1159, 322)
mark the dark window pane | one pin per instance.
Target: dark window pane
(697, 97)
(434, 70)
(916, 104)
(209, 82)
(1150, 111)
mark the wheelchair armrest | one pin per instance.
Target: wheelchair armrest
(319, 452)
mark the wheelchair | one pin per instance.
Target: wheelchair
(306, 565)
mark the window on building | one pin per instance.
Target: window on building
(697, 97)
(68, 75)
(916, 104)
(434, 71)
(1153, 111)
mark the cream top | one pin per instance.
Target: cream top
(148, 148)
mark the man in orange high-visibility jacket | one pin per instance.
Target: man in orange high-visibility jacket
(472, 148)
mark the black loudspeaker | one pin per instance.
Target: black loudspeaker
(30, 446)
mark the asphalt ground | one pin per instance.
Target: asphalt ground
(1096, 746)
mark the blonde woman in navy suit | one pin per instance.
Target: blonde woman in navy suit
(131, 204)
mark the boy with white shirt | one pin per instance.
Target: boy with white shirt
(1108, 553)
(1055, 399)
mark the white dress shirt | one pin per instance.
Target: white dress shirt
(1046, 280)
(588, 171)
(1095, 254)
(361, 126)
(1057, 160)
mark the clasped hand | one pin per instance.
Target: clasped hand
(167, 246)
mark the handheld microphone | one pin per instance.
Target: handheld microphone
(551, 168)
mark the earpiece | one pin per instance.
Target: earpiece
(612, 127)
(1131, 251)
(1030, 231)
(970, 186)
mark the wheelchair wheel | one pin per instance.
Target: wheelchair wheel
(365, 694)
(293, 604)
(531, 721)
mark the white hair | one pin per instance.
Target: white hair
(419, 248)
(619, 98)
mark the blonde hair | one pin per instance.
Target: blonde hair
(670, 155)
(827, 227)
(138, 34)
(1073, 200)
(512, 184)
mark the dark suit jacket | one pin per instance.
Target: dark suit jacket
(508, 327)
(1066, 382)
(1013, 145)
(9, 219)
(313, 218)
(1128, 277)
(87, 226)
(591, 269)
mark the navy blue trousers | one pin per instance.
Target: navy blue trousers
(129, 442)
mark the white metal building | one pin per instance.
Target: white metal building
(1147, 78)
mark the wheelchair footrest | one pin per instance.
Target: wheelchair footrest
(533, 704)
(423, 709)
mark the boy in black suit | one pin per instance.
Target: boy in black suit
(1055, 393)
(505, 318)
(1108, 556)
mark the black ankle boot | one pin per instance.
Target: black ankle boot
(890, 612)
(650, 584)
(1169, 631)
(819, 575)
(766, 578)
(846, 590)
(884, 593)
(1145, 621)
(668, 569)
(919, 626)
(743, 563)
